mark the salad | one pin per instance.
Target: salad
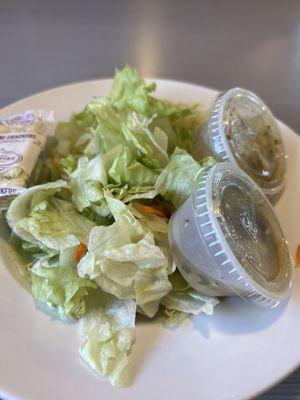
(94, 231)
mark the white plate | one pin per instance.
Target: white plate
(237, 353)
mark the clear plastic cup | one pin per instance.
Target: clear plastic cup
(226, 239)
(242, 130)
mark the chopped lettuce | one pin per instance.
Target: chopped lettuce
(183, 301)
(126, 169)
(40, 217)
(130, 92)
(95, 231)
(87, 182)
(125, 261)
(108, 331)
(175, 183)
(178, 122)
(59, 286)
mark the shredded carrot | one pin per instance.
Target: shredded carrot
(151, 210)
(298, 256)
(79, 252)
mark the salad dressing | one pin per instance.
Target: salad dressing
(242, 130)
(233, 243)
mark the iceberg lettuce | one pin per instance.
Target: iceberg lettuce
(40, 217)
(59, 286)
(108, 331)
(183, 301)
(124, 259)
(95, 231)
(175, 183)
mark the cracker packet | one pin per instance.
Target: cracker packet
(22, 141)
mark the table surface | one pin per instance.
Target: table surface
(254, 44)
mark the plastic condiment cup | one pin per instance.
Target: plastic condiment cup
(242, 130)
(227, 240)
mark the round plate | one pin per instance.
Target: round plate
(237, 353)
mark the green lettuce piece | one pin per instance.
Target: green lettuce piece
(180, 122)
(128, 194)
(186, 123)
(59, 286)
(109, 156)
(125, 219)
(67, 257)
(87, 182)
(173, 318)
(73, 136)
(39, 217)
(131, 92)
(107, 130)
(124, 259)
(22, 205)
(153, 222)
(175, 183)
(69, 164)
(183, 301)
(113, 130)
(108, 332)
(112, 277)
(159, 227)
(138, 193)
(149, 147)
(127, 170)
(56, 224)
(150, 286)
(51, 170)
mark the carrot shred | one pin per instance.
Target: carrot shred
(80, 251)
(298, 256)
(151, 210)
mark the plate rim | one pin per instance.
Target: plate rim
(109, 80)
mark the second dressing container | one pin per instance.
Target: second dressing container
(242, 130)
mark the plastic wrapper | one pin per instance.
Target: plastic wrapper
(22, 141)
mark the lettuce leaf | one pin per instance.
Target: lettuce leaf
(108, 331)
(175, 183)
(183, 301)
(119, 151)
(59, 286)
(131, 92)
(124, 259)
(74, 135)
(179, 122)
(127, 170)
(40, 217)
(87, 182)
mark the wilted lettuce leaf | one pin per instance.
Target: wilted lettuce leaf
(127, 170)
(124, 259)
(59, 286)
(87, 182)
(179, 122)
(175, 183)
(108, 331)
(183, 301)
(176, 180)
(119, 153)
(40, 217)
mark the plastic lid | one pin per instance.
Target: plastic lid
(244, 131)
(242, 235)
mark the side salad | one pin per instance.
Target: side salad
(94, 231)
